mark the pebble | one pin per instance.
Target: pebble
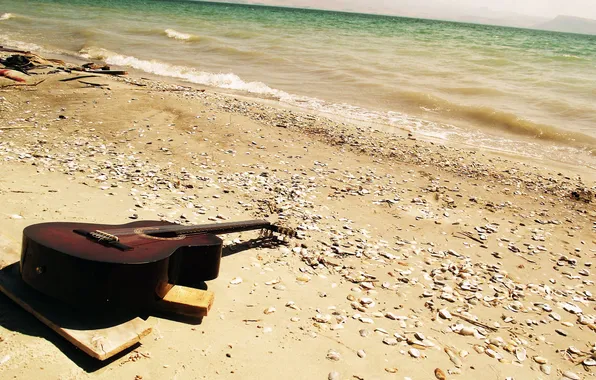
(333, 355)
(415, 353)
(334, 376)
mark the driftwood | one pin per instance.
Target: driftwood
(16, 127)
(109, 72)
(79, 77)
(2, 48)
(93, 84)
(24, 84)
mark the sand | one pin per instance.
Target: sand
(380, 252)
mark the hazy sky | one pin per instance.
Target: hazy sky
(451, 8)
(543, 8)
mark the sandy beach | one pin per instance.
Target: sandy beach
(414, 259)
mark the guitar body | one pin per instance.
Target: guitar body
(78, 270)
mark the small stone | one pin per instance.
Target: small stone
(570, 375)
(414, 352)
(269, 310)
(334, 376)
(333, 355)
(540, 360)
(361, 354)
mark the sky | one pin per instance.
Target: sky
(450, 9)
(541, 8)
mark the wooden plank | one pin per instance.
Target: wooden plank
(95, 335)
(185, 301)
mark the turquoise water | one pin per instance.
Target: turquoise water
(523, 91)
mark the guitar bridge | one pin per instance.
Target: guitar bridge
(103, 236)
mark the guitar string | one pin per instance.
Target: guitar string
(185, 230)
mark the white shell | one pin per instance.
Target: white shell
(520, 354)
(445, 314)
(236, 281)
(570, 375)
(590, 362)
(467, 331)
(415, 353)
(540, 360)
(333, 355)
(545, 368)
(269, 310)
(493, 354)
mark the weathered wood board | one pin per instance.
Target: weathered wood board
(95, 335)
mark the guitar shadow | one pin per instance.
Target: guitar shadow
(14, 318)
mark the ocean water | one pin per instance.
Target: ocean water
(521, 91)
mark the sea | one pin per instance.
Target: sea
(519, 92)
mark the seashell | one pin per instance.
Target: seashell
(540, 360)
(381, 331)
(415, 353)
(445, 314)
(571, 308)
(555, 316)
(391, 370)
(236, 281)
(567, 324)
(269, 310)
(561, 332)
(366, 320)
(467, 331)
(570, 375)
(361, 354)
(334, 376)
(479, 349)
(574, 350)
(322, 318)
(493, 354)
(390, 341)
(463, 354)
(589, 362)
(496, 341)
(303, 279)
(333, 355)
(520, 354)
(366, 300)
(545, 368)
(364, 333)
(453, 357)
(419, 336)
(295, 319)
(439, 374)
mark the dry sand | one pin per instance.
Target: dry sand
(381, 251)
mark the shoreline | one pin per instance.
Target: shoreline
(380, 216)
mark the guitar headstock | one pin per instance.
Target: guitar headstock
(276, 229)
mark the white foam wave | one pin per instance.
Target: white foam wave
(28, 46)
(6, 16)
(222, 80)
(178, 35)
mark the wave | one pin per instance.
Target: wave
(6, 16)
(171, 33)
(222, 80)
(27, 46)
(488, 117)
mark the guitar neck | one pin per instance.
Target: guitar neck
(221, 228)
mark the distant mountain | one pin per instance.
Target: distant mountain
(569, 24)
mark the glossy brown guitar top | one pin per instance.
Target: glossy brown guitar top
(134, 264)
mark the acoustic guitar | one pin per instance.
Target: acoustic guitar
(134, 264)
